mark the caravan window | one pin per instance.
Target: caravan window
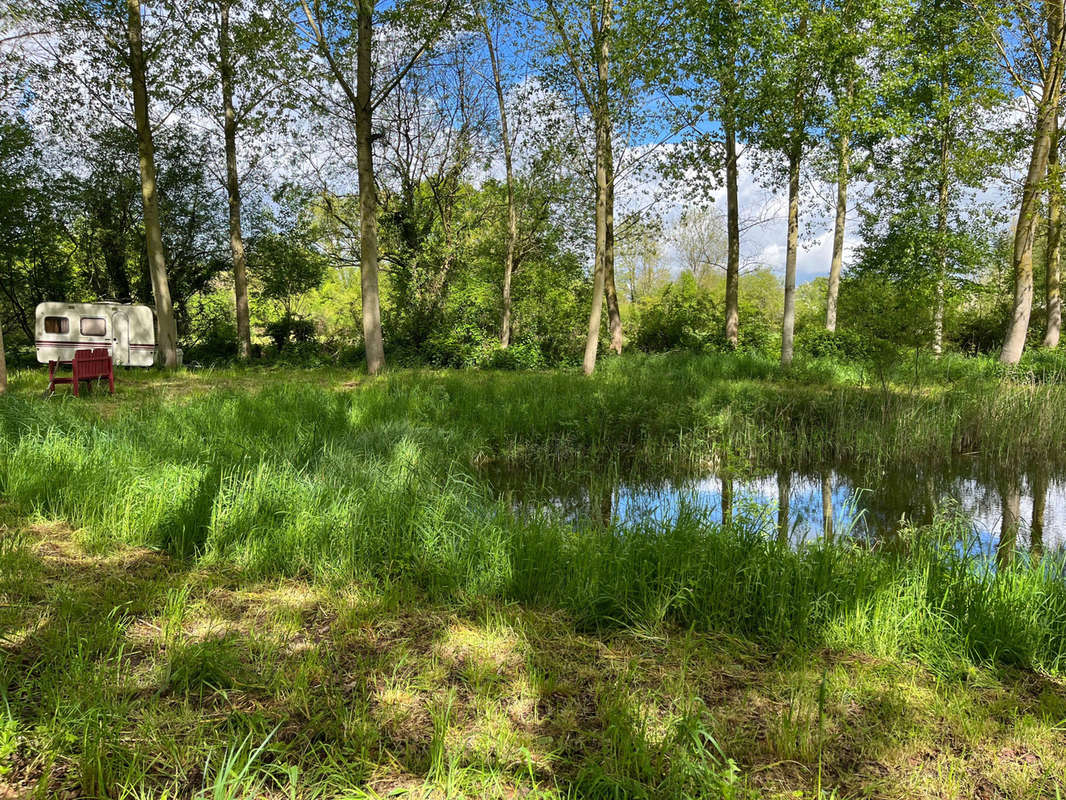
(56, 325)
(93, 326)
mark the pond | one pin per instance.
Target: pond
(811, 503)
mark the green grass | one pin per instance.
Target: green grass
(334, 604)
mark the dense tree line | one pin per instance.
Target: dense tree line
(533, 183)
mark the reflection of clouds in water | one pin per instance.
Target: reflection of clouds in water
(857, 511)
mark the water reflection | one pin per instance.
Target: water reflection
(1007, 512)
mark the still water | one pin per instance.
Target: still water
(805, 505)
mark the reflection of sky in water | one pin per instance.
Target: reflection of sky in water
(856, 511)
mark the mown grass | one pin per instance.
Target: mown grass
(336, 487)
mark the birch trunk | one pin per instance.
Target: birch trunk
(233, 191)
(836, 264)
(788, 322)
(614, 317)
(941, 243)
(732, 269)
(1025, 230)
(1054, 246)
(167, 339)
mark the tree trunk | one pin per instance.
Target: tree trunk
(167, 341)
(732, 269)
(1054, 246)
(233, 190)
(508, 163)
(837, 261)
(3, 362)
(1025, 230)
(592, 343)
(788, 322)
(614, 317)
(604, 194)
(368, 204)
(941, 243)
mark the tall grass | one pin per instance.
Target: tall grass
(379, 484)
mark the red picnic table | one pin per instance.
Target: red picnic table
(87, 365)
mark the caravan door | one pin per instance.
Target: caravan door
(120, 351)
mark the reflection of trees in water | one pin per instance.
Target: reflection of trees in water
(827, 507)
(1040, 484)
(784, 497)
(851, 500)
(1010, 522)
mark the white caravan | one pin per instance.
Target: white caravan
(127, 331)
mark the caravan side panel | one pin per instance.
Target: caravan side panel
(60, 329)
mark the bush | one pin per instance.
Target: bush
(843, 345)
(290, 330)
(681, 315)
(524, 355)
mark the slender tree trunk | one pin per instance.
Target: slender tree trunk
(614, 317)
(788, 322)
(167, 342)
(1011, 520)
(3, 363)
(508, 163)
(592, 342)
(1054, 246)
(941, 242)
(604, 195)
(1025, 230)
(233, 190)
(732, 269)
(827, 508)
(368, 201)
(837, 261)
(784, 493)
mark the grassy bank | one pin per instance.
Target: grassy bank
(134, 675)
(327, 538)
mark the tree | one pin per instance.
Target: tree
(792, 78)
(923, 225)
(862, 67)
(715, 64)
(594, 86)
(1030, 36)
(507, 141)
(702, 243)
(167, 341)
(330, 25)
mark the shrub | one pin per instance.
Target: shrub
(681, 315)
(524, 355)
(845, 345)
(290, 330)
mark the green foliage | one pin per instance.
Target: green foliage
(681, 315)
(844, 344)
